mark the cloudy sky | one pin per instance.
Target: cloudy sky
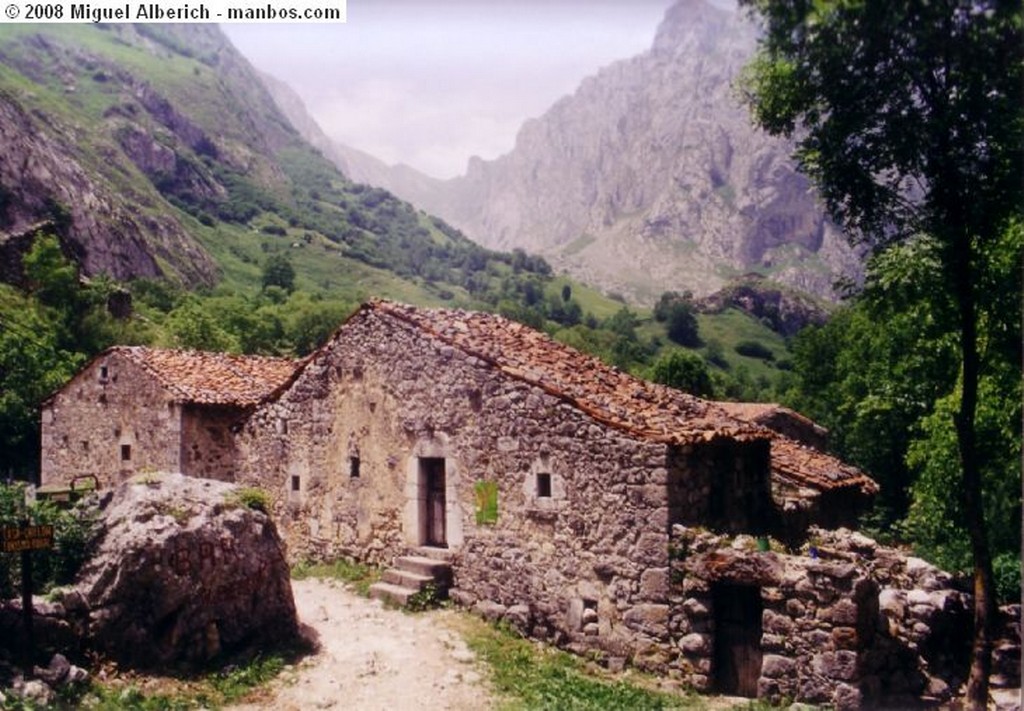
(432, 82)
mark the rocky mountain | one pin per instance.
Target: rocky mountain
(648, 178)
(157, 151)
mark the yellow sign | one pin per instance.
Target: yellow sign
(14, 539)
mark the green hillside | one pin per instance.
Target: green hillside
(151, 160)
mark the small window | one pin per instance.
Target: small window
(295, 482)
(282, 426)
(126, 452)
(103, 373)
(353, 467)
(544, 486)
(85, 445)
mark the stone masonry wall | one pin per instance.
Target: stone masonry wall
(586, 566)
(208, 448)
(112, 421)
(855, 625)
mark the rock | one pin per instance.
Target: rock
(490, 610)
(182, 573)
(38, 692)
(774, 666)
(519, 617)
(701, 179)
(56, 672)
(695, 644)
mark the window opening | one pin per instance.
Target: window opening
(544, 486)
(295, 482)
(353, 467)
(126, 452)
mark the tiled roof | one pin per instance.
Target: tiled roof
(605, 393)
(805, 466)
(621, 400)
(799, 462)
(212, 378)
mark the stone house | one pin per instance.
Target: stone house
(135, 409)
(559, 489)
(563, 495)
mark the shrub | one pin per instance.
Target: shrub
(754, 349)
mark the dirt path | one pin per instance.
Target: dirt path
(375, 658)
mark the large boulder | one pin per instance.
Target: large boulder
(184, 572)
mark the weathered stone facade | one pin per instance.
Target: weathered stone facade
(112, 421)
(136, 409)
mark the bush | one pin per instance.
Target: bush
(754, 349)
(74, 535)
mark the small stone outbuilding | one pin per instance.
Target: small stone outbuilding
(135, 409)
(810, 487)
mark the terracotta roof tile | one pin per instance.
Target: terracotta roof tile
(212, 378)
(605, 393)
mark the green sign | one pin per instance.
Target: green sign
(15, 539)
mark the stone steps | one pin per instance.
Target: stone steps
(412, 574)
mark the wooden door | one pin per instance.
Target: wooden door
(434, 481)
(737, 657)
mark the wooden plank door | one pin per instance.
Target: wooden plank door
(737, 657)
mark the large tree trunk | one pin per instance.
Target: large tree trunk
(984, 588)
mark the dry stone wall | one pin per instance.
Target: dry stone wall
(854, 625)
(112, 421)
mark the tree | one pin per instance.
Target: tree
(907, 116)
(684, 371)
(278, 271)
(682, 324)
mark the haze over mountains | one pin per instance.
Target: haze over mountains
(648, 178)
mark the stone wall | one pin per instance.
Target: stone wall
(208, 448)
(854, 625)
(112, 421)
(578, 551)
(722, 485)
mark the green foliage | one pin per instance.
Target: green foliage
(193, 326)
(426, 598)
(678, 313)
(486, 493)
(935, 518)
(754, 349)
(74, 534)
(685, 371)
(252, 498)
(530, 676)
(877, 376)
(278, 271)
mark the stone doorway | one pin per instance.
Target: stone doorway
(736, 665)
(433, 484)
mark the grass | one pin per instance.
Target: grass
(732, 327)
(359, 576)
(214, 690)
(527, 675)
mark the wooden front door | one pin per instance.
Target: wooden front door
(434, 483)
(737, 658)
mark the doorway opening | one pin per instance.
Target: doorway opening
(736, 665)
(433, 484)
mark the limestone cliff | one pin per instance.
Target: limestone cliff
(649, 177)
